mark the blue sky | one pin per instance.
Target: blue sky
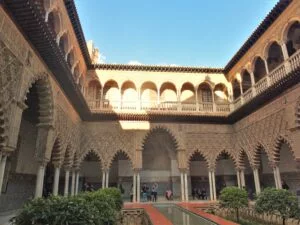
(166, 32)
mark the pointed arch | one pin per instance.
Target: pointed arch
(246, 80)
(279, 141)
(121, 153)
(243, 157)
(41, 84)
(57, 151)
(226, 155)
(86, 153)
(200, 155)
(258, 151)
(259, 68)
(164, 130)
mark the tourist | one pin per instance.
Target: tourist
(131, 193)
(194, 191)
(144, 193)
(199, 196)
(85, 186)
(284, 185)
(203, 194)
(154, 192)
(169, 195)
(148, 194)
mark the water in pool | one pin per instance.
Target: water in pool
(179, 216)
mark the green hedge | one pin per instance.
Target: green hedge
(90, 208)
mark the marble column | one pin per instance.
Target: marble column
(107, 179)
(211, 194)
(134, 187)
(243, 183)
(56, 181)
(256, 180)
(73, 183)
(275, 177)
(278, 178)
(182, 186)
(138, 180)
(66, 190)
(214, 184)
(103, 179)
(186, 190)
(40, 181)
(238, 177)
(3, 159)
(77, 183)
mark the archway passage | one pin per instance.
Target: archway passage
(236, 89)
(121, 174)
(221, 93)
(91, 172)
(247, 172)
(199, 177)
(246, 81)
(159, 163)
(225, 172)
(289, 173)
(21, 167)
(275, 56)
(293, 38)
(259, 70)
(261, 161)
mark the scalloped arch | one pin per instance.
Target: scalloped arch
(111, 159)
(197, 151)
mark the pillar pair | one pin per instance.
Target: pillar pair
(105, 178)
(184, 186)
(212, 185)
(136, 186)
(240, 175)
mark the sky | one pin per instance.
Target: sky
(204, 33)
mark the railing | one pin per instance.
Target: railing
(269, 80)
(261, 85)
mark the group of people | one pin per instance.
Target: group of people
(88, 187)
(199, 193)
(148, 194)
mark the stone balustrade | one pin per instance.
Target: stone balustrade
(271, 79)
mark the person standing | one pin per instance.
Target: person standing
(154, 192)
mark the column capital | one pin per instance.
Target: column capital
(183, 170)
(137, 170)
(43, 162)
(6, 150)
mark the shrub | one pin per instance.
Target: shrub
(89, 208)
(57, 211)
(234, 198)
(279, 201)
(115, 193)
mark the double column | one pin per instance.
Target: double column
(184, 185)
(136, 186)
(105, 178)
(240, 175)
(277, 177)
(212, 185)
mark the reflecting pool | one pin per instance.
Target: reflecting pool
(180, 216)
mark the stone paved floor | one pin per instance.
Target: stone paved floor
(4, 218)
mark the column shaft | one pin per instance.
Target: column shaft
(39, 182)
(103, 179)
(2, 170)
(186, 190)
(238, 177)
(275, 177)
(56, 181)
(278, 178)
(138, 180)
(134, 187)
(243, 183)
(214, 184)
(256, 181)
(66, 190)
(73, 183)
(211, 194)
(107, 178)
(182, 186)
(77, 183)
